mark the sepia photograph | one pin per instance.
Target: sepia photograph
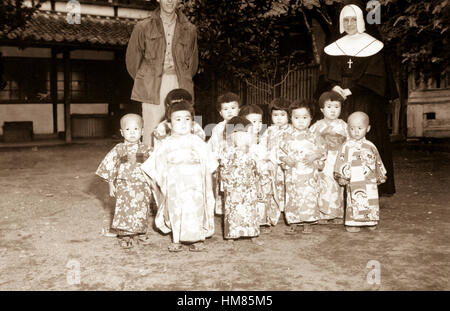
(235, 148)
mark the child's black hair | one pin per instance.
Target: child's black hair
(227, 98)
(248, 109)
(238, 120)
(179, 105)
(177, 95)
(304, 103)
(330, 96)
(280, 103)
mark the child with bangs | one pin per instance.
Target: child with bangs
(228, 105)
(301, 153)
(181, 166)
(333, 132)
(271, 138)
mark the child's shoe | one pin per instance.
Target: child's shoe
(322, 221)
(144, 239)
(126, 242)
(307, 228)
(338, 221)
(197, 247)
(352, 229)
(175, 247)
(292, 230)
(266, 229)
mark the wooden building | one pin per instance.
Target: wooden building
(65, 71)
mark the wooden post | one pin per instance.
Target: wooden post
(54, 89)
(67, 97)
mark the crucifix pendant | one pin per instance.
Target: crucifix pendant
(349, 63)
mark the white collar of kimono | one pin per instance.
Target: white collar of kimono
(360, 44)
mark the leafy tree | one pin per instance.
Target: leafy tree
(239, 40)
(417, 31)
(14, 14)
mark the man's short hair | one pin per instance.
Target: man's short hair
(227, 98)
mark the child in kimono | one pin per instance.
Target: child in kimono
(268, 212)
(121, 169)
(239, 174)
(333, 132)
(359, 167)
(279, 110)
(163, 130)
(228, 105)
(181, 166)
(302, 154)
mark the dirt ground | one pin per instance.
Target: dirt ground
(53, 208)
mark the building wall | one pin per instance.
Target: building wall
(41, 114)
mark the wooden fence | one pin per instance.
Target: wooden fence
(299, 84)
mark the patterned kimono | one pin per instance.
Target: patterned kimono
(182, 167)
(122, 166)
(301, 181)
(271, 138)
(267, 216)
(216, 144)
(331, 195)
(360, 163)
(240, 179)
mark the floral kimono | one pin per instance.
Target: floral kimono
(360, 164)
(302, 180)
(240, 180)
(122, 166)
(216, 144)
(271, 138)
(182, 167)
(331, 194)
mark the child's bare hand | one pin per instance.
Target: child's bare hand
(342, 181)
(288, 161)
(112, 190)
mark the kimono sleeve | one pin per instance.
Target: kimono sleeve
(342, 165)
(263, 140)
(225, 169)
(156, 165)
(283, 149)
(210, 157)
(198, 130)
(321, 151)
(214, 141)
(160, 132)
(380, 170)
(108, 167)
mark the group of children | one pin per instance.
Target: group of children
(246, 173)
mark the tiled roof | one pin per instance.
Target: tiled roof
(53, 27)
